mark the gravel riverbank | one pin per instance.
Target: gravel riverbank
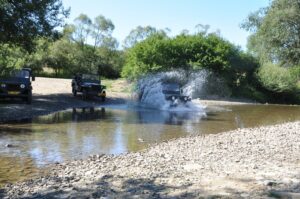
(247, 163)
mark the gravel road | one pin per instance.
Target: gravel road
(246, 163)
(50, 95)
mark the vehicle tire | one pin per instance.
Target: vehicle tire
(74, 92)
(84, 95)
(29, 97)
(103, 99)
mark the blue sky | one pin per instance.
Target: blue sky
(225, 15)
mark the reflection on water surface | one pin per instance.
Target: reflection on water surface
(78, 133)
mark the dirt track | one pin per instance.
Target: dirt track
(51, 95)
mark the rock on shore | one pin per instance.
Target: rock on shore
(248, 163)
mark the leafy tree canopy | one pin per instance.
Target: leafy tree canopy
(85, 46)
(22, 20)
(98, 32)
(192, 52)
(276, 32)
(141, 33)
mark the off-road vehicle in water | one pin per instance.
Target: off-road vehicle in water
(173, 93)
(17, 84)
(89, 85)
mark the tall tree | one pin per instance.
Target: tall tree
(202, 29)
(102, 28)
(276, 32)
(11, 56)
(82, 29)
(22, 20)
(141, 33)
(96, 51)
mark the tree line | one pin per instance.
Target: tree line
(85, 46)
(268, 71)
(275, 43)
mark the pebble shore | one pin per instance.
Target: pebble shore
(259, 162)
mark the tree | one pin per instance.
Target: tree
(202, 29)
(277, 79)
(82, 29)
(86, 47)
(191, 52)
(11, 57)
(39, 58)
(102, 29)
(141, 33)
(275, 40)
(21, 21)
(61, 56)
(276, 32)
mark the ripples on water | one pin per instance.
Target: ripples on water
(78, 133)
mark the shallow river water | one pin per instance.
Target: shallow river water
(28, 147)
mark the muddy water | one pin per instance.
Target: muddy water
(35, 144)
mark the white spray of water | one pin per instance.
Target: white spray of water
(195, 84)
(150, 95)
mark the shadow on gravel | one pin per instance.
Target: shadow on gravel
(110, 186)
(270, 189)
(140, 188)
(5, 102)
(14, 110)
(127, 188)
(276, 191)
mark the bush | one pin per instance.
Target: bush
(277, 79)
(159, 53)
(11, 57)
(296, 72)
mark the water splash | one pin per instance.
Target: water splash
(194, 84)
(205, 85)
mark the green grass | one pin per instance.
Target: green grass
(108, 83)
(117, 85)
(128, 89)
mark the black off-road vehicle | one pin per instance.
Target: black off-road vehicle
(89, 85)
(173, 93)
(17, 84)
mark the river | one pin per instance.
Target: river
(28, 147)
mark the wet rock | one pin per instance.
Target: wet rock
(269, 183)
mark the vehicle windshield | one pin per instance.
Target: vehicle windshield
(20, 74)
(89, 77)
(171, 87)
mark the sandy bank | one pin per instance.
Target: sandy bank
(51, 95)
(247, 163)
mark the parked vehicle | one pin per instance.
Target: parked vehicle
(173, 93)
(89, 85)
(17, 84)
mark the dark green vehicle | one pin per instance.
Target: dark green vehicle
(173, 93)
(89, 85)
(17, 84)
